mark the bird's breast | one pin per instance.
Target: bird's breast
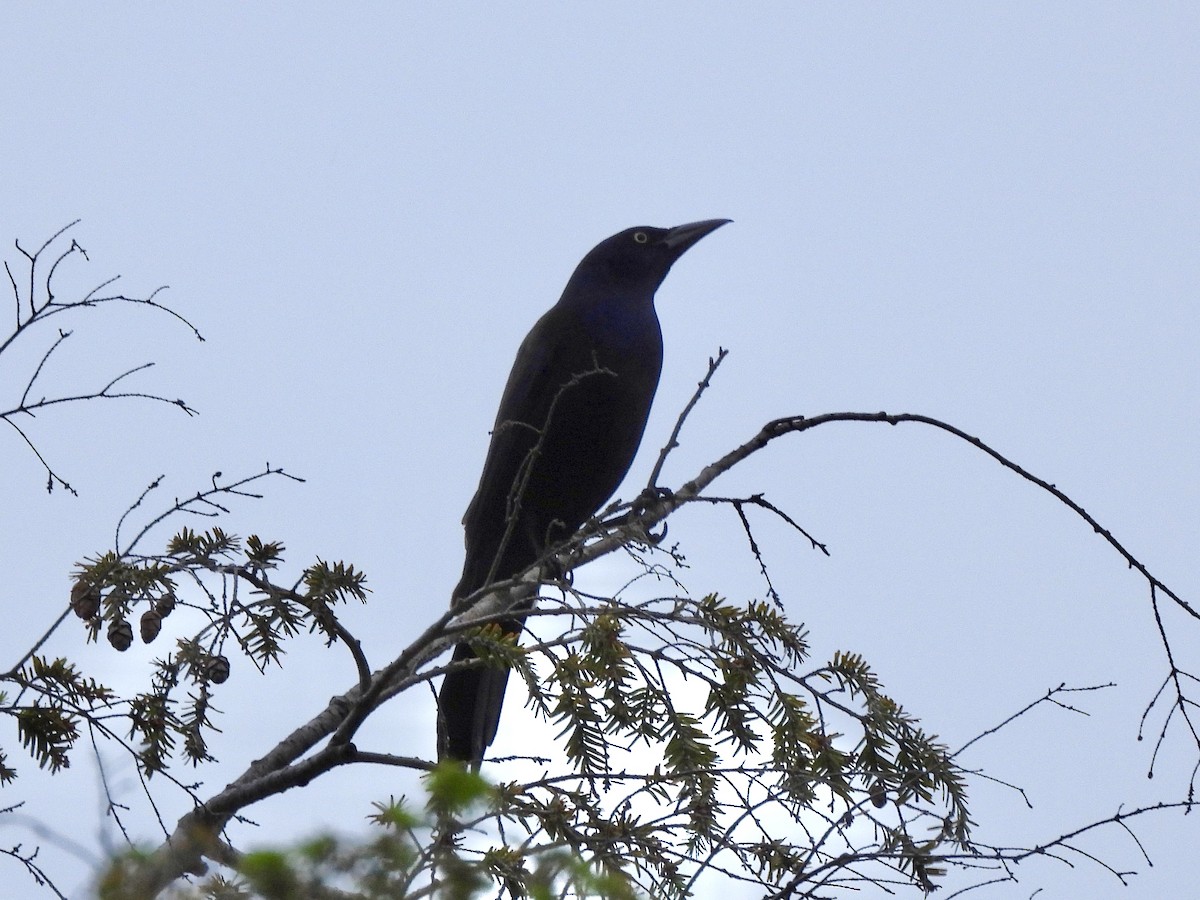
(619, 327)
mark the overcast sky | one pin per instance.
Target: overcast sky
(985, 212)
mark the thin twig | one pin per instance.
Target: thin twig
(673, 441)
(1049, 697)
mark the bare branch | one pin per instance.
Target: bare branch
(52, 477)
(1051, 696)
(44, 304)
(673, 441)
(666, 647)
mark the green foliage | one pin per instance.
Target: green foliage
(719, 700)
(392, 863)
(48, 734)
(190, 547)
(453, 789)
(581, 719)
(334, 584)
(271, 875)
(263, 555)
(49, 726)
(722, 693)
(175, 714)
(7, 772)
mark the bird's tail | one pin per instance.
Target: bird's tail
(471, 698)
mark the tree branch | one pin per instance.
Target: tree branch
(285, 766)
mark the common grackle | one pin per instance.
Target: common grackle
(569, 424)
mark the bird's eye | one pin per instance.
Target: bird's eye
(640, 237)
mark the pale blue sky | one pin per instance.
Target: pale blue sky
(985, 212)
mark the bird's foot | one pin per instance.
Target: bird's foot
(644, 501)
(556, 570)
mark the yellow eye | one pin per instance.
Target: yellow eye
(640, 237)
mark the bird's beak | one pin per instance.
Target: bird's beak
(681, 237)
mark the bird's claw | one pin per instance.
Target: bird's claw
(645, 500)
(655, 539)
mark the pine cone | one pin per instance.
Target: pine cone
(120, 634)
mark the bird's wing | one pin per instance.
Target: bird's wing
(544, 361)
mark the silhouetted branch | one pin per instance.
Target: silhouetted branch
(607, 642)
(43, 304)
(673, 441)
(1003, 858)
(1051, 696)
(202, 503)
(1182, 703)
(52, 477)
(26, 859)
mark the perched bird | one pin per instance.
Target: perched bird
(569, 424)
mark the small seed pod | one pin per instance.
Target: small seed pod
(164, 605)
(120, 635)
(217, 670)
(85, 599)
(879, 795)
(150, 624)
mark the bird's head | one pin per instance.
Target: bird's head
(638, 259)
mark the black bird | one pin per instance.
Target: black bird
(569, 424)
